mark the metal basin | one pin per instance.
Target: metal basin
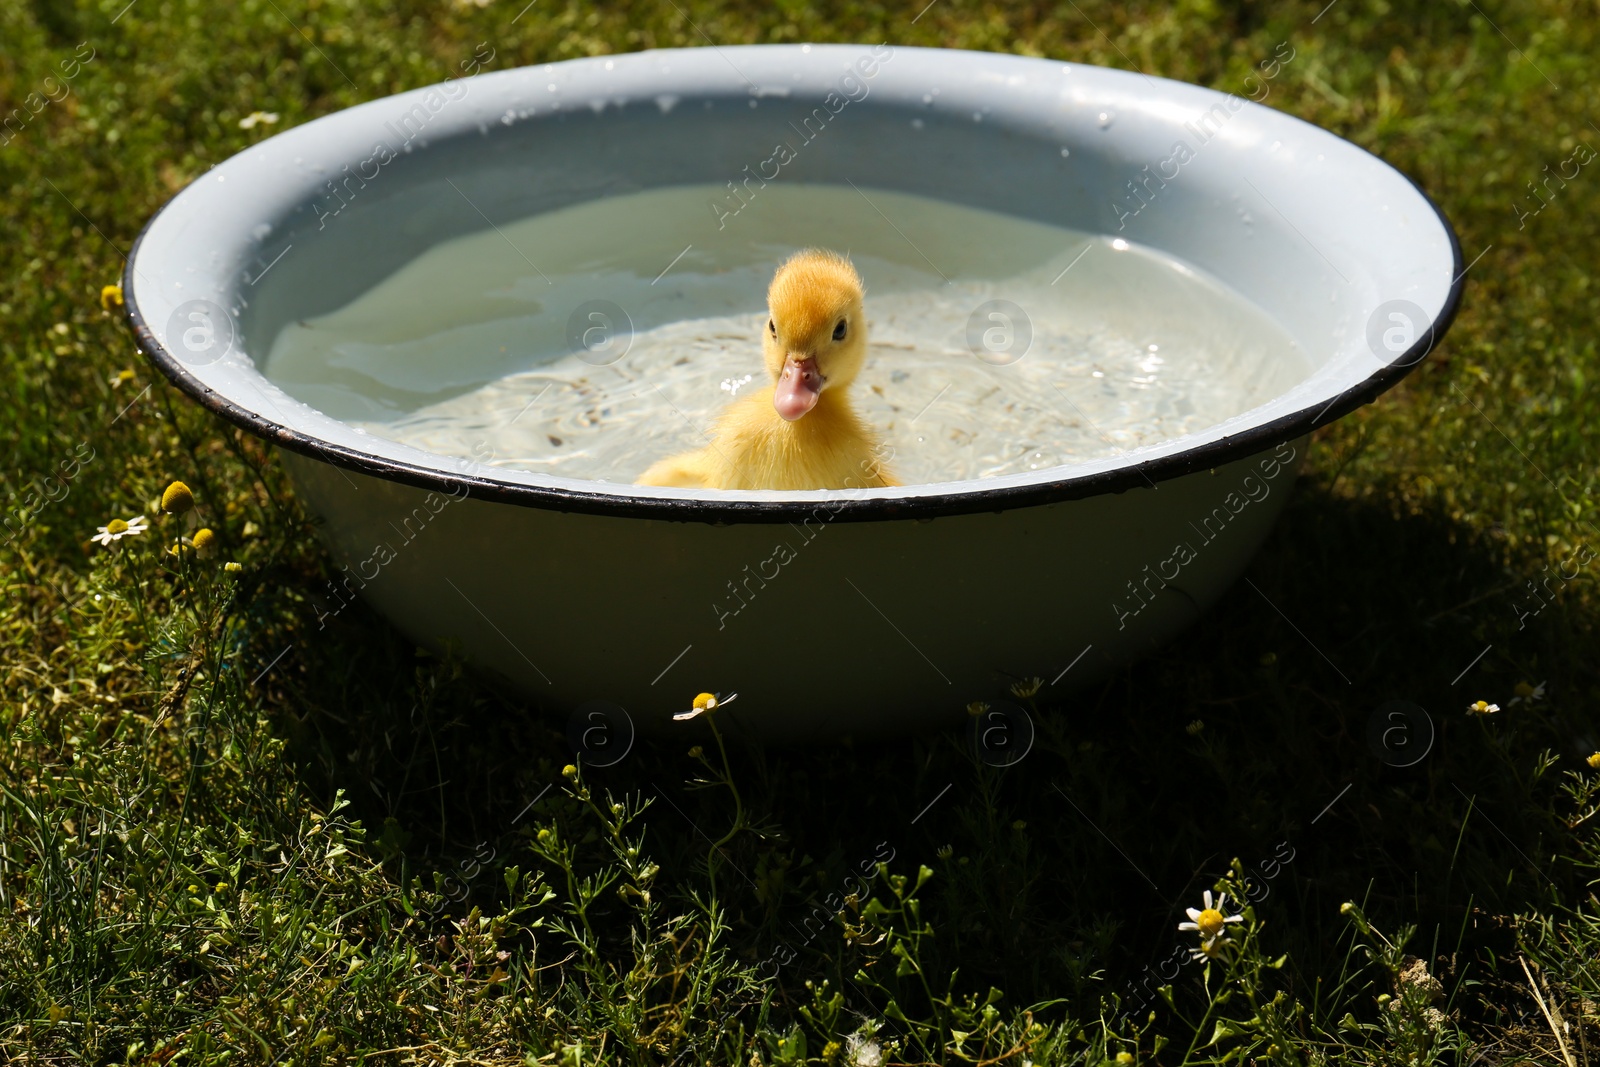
(833, 611)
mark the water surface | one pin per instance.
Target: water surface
(998, 345)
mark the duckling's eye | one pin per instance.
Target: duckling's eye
(773, 327)
(838, 331)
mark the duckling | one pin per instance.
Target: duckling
(801, 432)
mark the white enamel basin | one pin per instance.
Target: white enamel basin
(883, 609)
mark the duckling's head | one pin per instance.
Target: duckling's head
(816, 333)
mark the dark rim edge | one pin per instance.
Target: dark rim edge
(1250, 442)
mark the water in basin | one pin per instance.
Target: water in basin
(999, 345)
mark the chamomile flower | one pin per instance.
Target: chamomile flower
(1026, 689)
(264, 118)
(704, 703)
(120, 378)
(1594, 761)
(117, 529)
(1482, 707)
(976, 708)
(110, 296)
(177, 499)
(1532, 694)
(1210, 922)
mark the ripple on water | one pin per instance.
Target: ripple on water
(1112, 346)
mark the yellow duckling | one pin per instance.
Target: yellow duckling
(801, 432)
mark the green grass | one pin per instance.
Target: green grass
(334, 861)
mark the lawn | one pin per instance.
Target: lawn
(358, 852)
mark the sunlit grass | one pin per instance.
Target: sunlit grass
(227, 835)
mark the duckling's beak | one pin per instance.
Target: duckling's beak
(798, 386)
